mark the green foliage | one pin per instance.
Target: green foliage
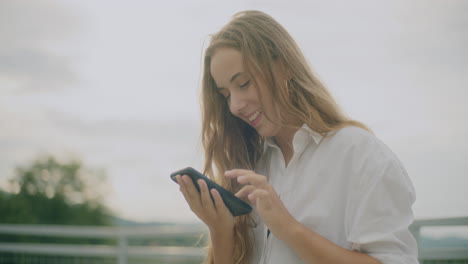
(53, 192)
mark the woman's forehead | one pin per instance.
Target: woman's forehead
(225, 64)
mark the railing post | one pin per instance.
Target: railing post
(415, 229)
(122, 253)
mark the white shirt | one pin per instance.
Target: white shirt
(347, 186)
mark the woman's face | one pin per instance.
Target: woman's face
(238, 88)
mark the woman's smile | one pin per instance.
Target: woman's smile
(255, 118)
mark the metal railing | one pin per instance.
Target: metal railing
(440, 255)
(123, 252)
(120, 253)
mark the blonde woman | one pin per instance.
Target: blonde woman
(324, 189)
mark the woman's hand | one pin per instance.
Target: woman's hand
(261, 194)
(214, 214)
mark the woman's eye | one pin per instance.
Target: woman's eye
(245, 84)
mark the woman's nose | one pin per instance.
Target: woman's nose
(236, 104)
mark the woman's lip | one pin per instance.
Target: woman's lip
(248, 117)
(256, 120)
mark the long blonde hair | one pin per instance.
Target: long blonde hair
(231, 143)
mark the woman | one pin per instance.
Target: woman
(324, 189)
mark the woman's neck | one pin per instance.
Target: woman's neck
(284, 141)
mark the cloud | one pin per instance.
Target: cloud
(32, 33)
(399, 67)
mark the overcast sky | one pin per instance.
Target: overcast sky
(116, 84)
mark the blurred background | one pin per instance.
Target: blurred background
(99, 100)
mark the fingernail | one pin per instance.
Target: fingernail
(241, 178)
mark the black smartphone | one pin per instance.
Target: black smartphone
(234, 204)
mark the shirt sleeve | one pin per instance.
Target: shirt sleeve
(379, 209)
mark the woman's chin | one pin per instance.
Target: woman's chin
(264, 132)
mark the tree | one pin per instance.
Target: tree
(53, 192)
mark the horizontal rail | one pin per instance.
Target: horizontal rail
(60, 250)
(439, 253)
(123, 250)
(443, 254)
(99, 250)
(101, 232)
(454, 221)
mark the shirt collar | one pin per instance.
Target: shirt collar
(316, 136)
(305, 130)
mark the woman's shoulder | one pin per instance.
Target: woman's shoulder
(365, 153)
(352, 133)
(351, 136)
(355, 140)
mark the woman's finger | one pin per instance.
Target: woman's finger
(181, 186)
(206, 200)
(190, 188)
(246, 190)
(190, 193)
(247, 177)
(219, 203)
(259, 196)
(257, 180)
(236, 173)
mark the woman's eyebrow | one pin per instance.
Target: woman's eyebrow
(233, 78)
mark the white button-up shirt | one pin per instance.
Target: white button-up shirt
(347, 186)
